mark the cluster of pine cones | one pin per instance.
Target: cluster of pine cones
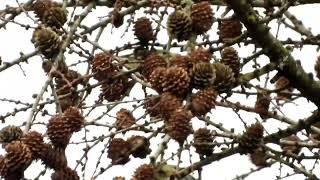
(22, 149)
(187, 87)
(46, 37)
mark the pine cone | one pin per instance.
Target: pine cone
(62, 66)
(151, 106)
(229, 29)
(179, 25)
(144, 172)
(168, 103)
(284, 84)
(54, 17)
(124, 120)
(116, 18)
(10, 133)
(115, 90)
(183, 62)
(291, 149)
(225, 80)
(203, 101)
(47, 41)
(178, 126)
(200, 55)
(139, 146)
(152, 62)
(41, 6)
(119, 178)
(177, 81)
(18, 157)
(119, 151)
(35, 143)
(63, 87)
(202, 17)
(203, 75)
(65, 174)
(317, 67)
(3, 166)
(54, 158)
(163, 106)
(262, 105)
(259, 158)
(157, 78)
(143, 30)
(59, 132)
(202, 137)
(73, 119)
(251, 138)
(102, 66)
(230, 58)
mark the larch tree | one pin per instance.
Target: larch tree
(174, 85)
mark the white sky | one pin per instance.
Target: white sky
(14, 85)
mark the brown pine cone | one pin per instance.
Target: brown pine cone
(73, 119)
(10, 133)
(119, 178)
(103, 67)
(202, 17)
(251, 138)
(203, 101)
(178, 126)
(68, 86)
(229, 29)
(203, 75)
(163, 106)
(143, 30)
(59, 132)
(179, 25)
(152, 62)
(54, 17)
(317, 67)
(200, 55)
(35, 143)
(119, 151)
(63, 88)
(144, 172)
(230, 58)
(124, 120)
(183, 62)
(202, 138)
(177, 81)
(262, 105)
(151, 106)
(157, 78)
(139, 146)
(41, 6)
(65, 174)
(62, 67)
(284, 84)
(259, 158)
(47, 41)
(3, 167)
(18, 157)
(168, 103)
(54, 158)
(291, 149)
(225, 80)
(116, 89)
